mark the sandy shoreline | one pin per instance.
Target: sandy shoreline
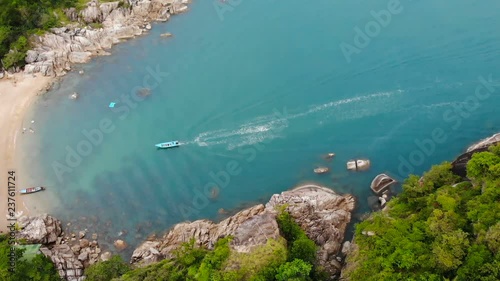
(17, 94)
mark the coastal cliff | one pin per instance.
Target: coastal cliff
(70, 253)
(323, 214)
(460, 163)
(55, 51)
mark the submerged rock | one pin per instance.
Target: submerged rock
(143, 92)
(321, 170)
(214, 192)
(329, 155)
(74, 96)
(120, 245)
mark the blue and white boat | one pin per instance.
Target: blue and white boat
(168, 144)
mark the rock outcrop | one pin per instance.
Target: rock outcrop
(459, 165)
(484, 143)
(322, 213)
(69, 255)
(321, 170)
(42, 229)
(57, 50)
(242, 226)
(381, 183)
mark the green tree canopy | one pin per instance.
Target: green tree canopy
(107, 270)
(437, 228)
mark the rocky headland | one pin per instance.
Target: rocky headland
(113, 22)
(323, 214)
(460, 163)
(70, 253)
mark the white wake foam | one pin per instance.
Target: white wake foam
(268, 127)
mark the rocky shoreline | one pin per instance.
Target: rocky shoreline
(78, 42)
(322, 213)
(70, 253)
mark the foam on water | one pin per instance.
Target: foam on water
(268, 127)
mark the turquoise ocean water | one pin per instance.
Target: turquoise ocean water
(257, 97)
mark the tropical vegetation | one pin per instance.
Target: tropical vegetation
(15, 266)
(19, 19)
(438, 228)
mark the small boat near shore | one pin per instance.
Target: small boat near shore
(168, 144)
(32, 190)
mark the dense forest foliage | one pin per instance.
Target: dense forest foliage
(436, 229)
(37, 268)
(21, 18)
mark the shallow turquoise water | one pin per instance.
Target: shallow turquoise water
(257, 98)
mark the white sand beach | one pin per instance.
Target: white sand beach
(17, 93)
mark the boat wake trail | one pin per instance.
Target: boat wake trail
(250, 133)
(268, 127)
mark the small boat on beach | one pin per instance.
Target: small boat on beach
(168, 144)
(32, 190)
